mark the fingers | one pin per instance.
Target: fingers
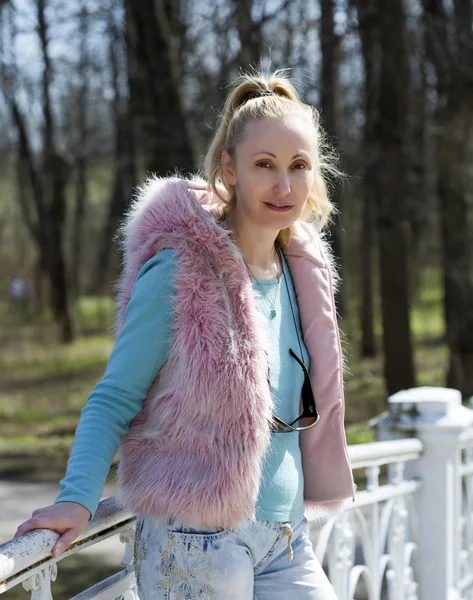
(64, 542)
(69, 519)
(29, 525)
(42, 519)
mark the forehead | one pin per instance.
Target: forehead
(290, 135)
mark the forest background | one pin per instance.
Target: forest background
(94, 95)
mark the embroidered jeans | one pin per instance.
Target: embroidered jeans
(261, 560)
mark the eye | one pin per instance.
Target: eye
(263, 164)
(300, 166)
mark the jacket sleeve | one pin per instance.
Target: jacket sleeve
(142, 347)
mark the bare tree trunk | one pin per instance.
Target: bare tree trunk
(330, 105)
(368, 21)
(249, 33)
(156, 97)
(392, 131)
(124, 175)
(81, 158)
(452, 59)
(57, 270)
(43, 211)
(55, 173)
(32, 212)
(419, 204)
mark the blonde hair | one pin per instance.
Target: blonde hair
(248, 101)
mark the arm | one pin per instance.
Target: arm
(141, 349)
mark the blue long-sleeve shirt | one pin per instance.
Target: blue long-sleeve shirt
(141, 349)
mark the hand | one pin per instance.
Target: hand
(67, 518)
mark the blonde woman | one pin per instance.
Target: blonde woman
(224, 390)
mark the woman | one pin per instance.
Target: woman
(226, 313)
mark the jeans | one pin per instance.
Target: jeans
(260, 560)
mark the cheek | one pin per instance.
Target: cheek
(304, 185)
(253, 183)
(249, 190)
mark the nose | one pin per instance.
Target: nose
(283, 185)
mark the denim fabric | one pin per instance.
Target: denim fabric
(175, 561)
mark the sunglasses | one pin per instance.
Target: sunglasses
(309, 416)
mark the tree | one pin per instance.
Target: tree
(449, 39)
(123, 166)
(249, 33)
(81, 153)
(330, 106)
(368, 28)
(45, 217)
(56, 172)
(392, 131)
(157, 106)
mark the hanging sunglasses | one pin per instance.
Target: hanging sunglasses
(309, 416)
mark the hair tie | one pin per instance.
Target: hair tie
(260, 94)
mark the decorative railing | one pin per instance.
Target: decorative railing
(465, 522)
(377, 527)
(27, 559)
(408, 535)
(369, 550)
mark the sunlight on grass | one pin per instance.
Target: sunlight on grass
(359, 433)
(31, 358)
(29, 444)
(426, 315)
(95, 311)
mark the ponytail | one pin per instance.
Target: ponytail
(255, 97)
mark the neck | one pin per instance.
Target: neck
(255, 243)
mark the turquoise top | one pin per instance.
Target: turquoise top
(143, 346)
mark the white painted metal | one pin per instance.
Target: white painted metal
(412, 519)
(383, 453)
(444, 426)
(465, 521)
(28, 558)
(364, 530)
(369, 550)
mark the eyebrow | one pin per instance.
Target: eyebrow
(274, 156)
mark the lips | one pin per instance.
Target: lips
(279, 207)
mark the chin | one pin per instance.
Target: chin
(278, 225)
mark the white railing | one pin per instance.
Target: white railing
(27, 559)
(369, 551)
(437, 417)
(465, 522)
(376, 526)
(408, 535)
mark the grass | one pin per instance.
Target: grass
(365, 390)
(44, 386)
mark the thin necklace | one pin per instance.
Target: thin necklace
(272, 313)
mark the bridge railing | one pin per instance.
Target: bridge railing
(408, 535)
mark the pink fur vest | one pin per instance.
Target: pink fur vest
(195, 451)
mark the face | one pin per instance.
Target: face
(272, 171)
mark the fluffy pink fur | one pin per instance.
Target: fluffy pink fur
(196, 449)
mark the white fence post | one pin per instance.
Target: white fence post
(437, 417)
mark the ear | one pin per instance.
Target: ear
(228, 169)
